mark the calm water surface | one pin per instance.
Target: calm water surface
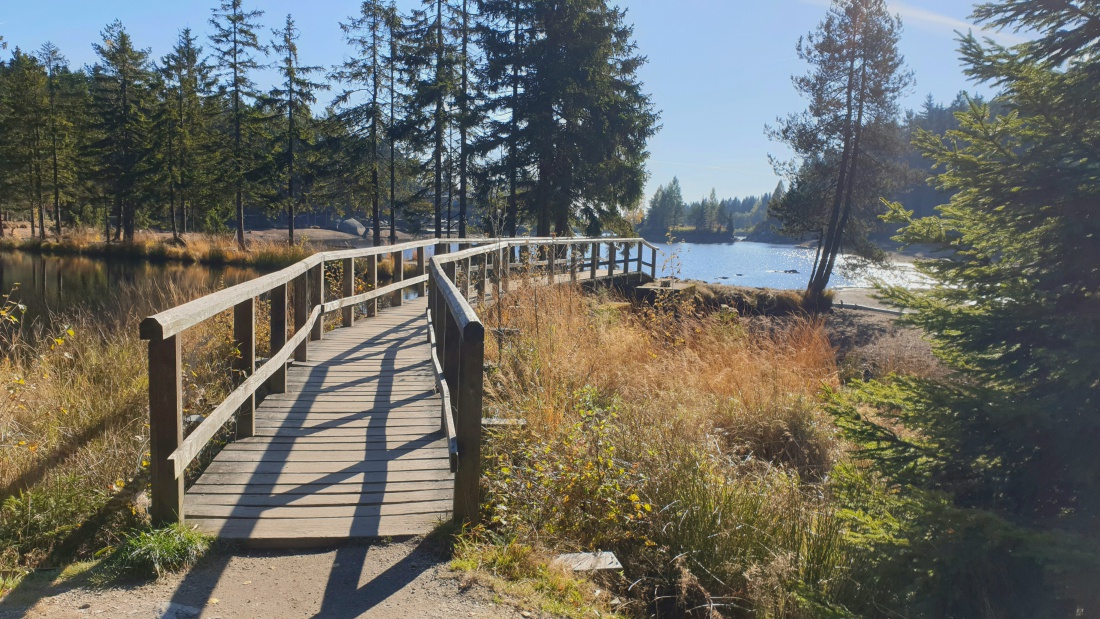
(765, 265)
(50, 286)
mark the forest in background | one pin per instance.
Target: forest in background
(495, 116)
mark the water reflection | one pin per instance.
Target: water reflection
(51, 285)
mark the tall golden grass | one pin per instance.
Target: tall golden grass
(210, 249)
(691, 444)
(73, 424)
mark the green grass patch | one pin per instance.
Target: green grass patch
(155, 552)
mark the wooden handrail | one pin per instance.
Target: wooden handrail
(456, 339)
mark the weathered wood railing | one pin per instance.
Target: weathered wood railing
(456, 337)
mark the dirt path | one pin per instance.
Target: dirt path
(402, 580)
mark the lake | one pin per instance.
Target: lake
(48, 285)
(766, 265)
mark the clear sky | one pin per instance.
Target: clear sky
(718, 70)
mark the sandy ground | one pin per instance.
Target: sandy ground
(406, 579)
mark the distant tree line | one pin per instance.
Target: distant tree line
(501, 116)
(668, 212)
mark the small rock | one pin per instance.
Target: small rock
(526, 613)
(85, 606)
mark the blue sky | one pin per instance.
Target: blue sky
(718, 71)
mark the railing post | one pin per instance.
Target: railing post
(499, 270)
(640, 254)
(244, 334)
(626, 258)
(550, 253)
(469, 276)
(653, 265)
(398, 276)
(595, 248)
(468, 424)
(301, 314)
(611, 256)
(349, 290)
(506, 267)
(277, 382)
(573, 263)
(317, 297)
(372, 282)
(421, 269)
(165, 429)
(483, 281)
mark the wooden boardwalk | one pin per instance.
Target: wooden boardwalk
(353, 449)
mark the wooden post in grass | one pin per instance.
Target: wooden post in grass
(468, 423)
(165, 428)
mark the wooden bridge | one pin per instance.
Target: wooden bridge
(371, 429)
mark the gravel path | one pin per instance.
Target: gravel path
(401, 580)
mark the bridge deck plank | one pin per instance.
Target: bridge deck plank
(352, 450)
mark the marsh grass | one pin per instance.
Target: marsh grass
(74, 427)
(693, 446)
(209, 249)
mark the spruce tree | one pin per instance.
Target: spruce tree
(1002, 453)
(292, 99)
(236, 47)
(122, 96)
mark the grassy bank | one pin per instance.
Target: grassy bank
(73, 427)
(691, 443)
(207, 249)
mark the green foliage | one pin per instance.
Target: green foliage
(155, 552)
(1001, 455)
(571, 485)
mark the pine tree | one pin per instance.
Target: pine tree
(847, 139)
(236, 45)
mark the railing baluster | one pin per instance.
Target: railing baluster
(372, 283)
(483, 278)
(165, 428)
(595, 264)
(653, 265)
(611, 255)
(398, 276)
(469, 275)
(349, 290)
(277, 382)
(317, 297)
(301, 314)
(421, 269)
(244, 334)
